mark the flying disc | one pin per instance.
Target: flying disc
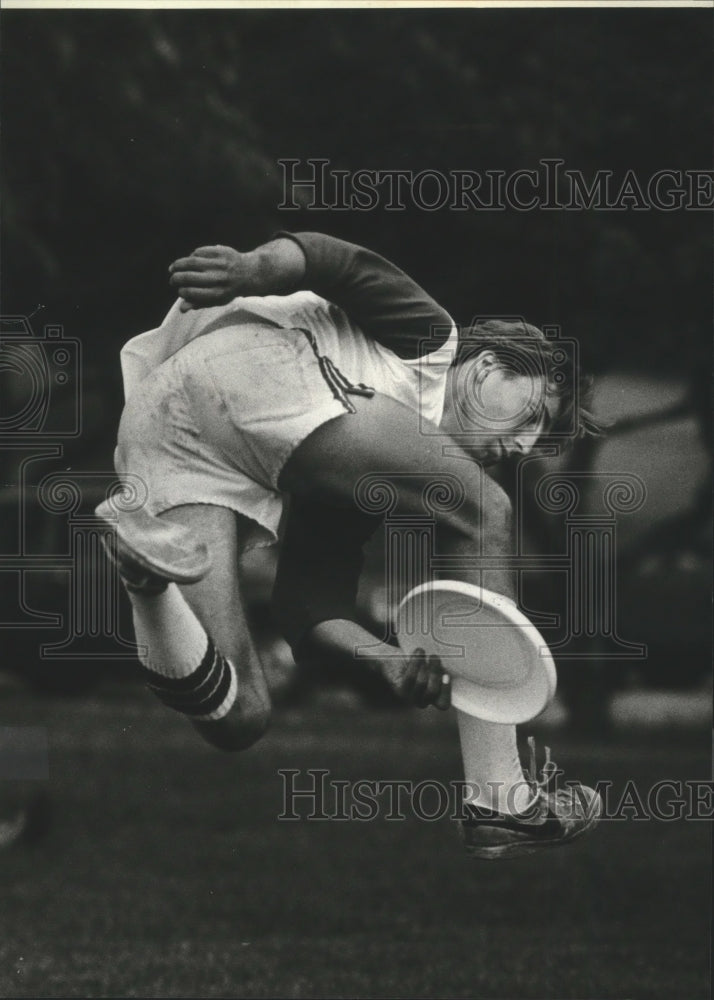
(500, 667)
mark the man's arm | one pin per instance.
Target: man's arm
(419, 679)
(315, 595)
(384, 301)
(213, 276)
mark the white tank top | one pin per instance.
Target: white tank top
(418, 383)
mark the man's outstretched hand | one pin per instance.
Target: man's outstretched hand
(214, 276)
(419, 679)
(211, 276)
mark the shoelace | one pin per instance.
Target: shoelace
(571, 802)
(536, 784)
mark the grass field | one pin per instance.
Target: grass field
(167, 874)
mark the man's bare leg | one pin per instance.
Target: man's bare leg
(507, 815)
(199, 648)
(385, 438)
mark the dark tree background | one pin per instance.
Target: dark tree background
(129, 137)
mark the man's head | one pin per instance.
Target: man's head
(509, 386)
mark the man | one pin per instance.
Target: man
(299, 369)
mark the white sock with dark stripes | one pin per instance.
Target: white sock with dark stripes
(492, 767)
(185, 669)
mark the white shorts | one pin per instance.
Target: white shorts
(216, 422)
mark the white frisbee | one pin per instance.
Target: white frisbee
(500, 666)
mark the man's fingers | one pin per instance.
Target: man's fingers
(203, 258)
(197, 279)
(185, 306)
(196, 262)
(421, 684)
(422, 681)
(213, 251)
(429, 684)
(409, 677)
(433, 681)
(443, 700)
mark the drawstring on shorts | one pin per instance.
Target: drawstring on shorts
(340, 386)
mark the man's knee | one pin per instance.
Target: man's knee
(486, 510)
(254, 720)
(245, 724)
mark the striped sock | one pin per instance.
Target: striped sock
(183, 667)
(206, 694)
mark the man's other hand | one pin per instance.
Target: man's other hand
(210, 276)
(419, 679)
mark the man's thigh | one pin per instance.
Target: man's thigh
(379, 460)
(383, 440)
(216, 600)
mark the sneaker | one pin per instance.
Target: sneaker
(150, 553)
(551, 819)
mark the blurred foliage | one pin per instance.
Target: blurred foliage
(132, 136)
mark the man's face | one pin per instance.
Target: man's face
(495, 412)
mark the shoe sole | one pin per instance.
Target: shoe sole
(517, 850)
(166, 550)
